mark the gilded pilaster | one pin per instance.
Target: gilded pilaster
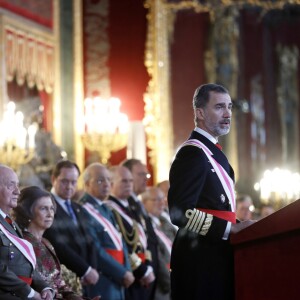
(158, 107)
(3, 89)
(288, 104)
(78, 120)
(223, 55)
(56, 103)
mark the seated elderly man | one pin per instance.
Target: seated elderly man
(18, 277)
(112, 253)
(154, 202)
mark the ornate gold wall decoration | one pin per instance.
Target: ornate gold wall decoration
(29, 58)
(56, 103)
(222, 66)
(258, 124)
(288, 104)
(27, 54)
(211, 5)
(96, 48)
(158, 106)
(78, 122)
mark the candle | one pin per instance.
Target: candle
(32, 129)
(88, 106)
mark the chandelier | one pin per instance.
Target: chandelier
(106, 127)
(17, 143)
(278, 187)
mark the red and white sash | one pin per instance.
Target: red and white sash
(225, 179)
(142, 234)
(113, 233)
(166, 241)
(24, 246)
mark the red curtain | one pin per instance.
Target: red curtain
(128, 74)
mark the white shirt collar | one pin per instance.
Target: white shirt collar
(3, 214)
(124, 202)
(100, 202)
(60, 201)
(136, 197)
(155, 220)
(206, 134)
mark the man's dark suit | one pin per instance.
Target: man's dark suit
(13, 264)
(73, 244)
(202, 265)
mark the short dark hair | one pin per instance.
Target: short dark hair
(202, 93)
(64, 164)
(129, 163)
(27, 200)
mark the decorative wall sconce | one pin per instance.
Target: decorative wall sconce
(106, 126)
(17, 143)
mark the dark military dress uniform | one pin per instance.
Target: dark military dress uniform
(14, 266)
(202, 257)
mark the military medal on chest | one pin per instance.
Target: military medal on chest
(223, 198)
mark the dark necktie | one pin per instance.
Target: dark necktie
(71, 211)
(219, 146)
(8, 220)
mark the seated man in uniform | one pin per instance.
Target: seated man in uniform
(114, 263)
(18, 277)
(133, 234)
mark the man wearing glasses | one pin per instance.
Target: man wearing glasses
(111, 248)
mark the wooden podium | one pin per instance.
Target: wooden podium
(267, 257)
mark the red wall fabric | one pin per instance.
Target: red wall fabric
(34, 10)
(187, 68)
(46, 100)
(128, 75)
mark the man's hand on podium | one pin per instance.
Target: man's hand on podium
(235, 228)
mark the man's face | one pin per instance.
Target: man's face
(99, 184)
(140, 177)
(155, 204)
(243, 210)
(215, 117)
(65, 184)
(9, 189)
(122, 186)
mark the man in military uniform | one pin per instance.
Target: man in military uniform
(202, 204)
(18, 277)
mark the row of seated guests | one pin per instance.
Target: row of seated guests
(28, 271)
(154, 201)
(86, 236)
(18, 277)
(34, 214)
